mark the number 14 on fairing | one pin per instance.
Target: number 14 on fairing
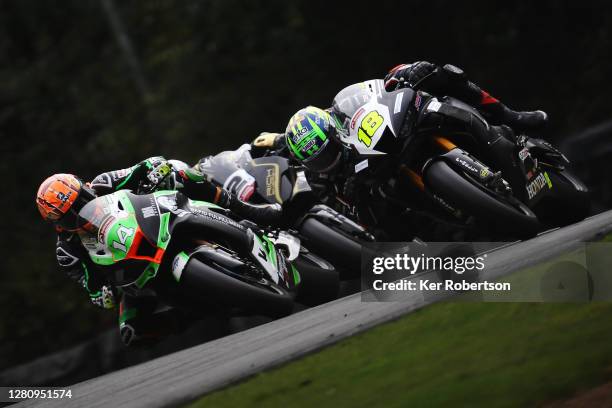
(123, 233)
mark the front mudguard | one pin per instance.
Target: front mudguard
(566, 202)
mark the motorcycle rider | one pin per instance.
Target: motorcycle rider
(451, 81)
(310, 137)
(142, 320)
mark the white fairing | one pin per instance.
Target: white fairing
(369, 122)
(259, 253)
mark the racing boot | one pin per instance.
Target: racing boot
(499, 114)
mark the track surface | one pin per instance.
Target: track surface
(183, 376)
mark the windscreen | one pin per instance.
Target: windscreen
(351, 98)
(224, 164)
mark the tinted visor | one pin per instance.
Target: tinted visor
(69, 221)
(325, 159)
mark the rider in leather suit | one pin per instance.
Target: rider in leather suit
(142, 319)
(310, 140)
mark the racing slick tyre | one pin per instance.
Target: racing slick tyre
(341, 250)
(462, 193)
(253, 296)
(318, 284)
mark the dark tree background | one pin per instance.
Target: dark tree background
(209, 75)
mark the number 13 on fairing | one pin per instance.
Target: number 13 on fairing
(369, 125)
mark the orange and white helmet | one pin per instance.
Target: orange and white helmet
(61, 197)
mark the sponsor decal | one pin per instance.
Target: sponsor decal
(467, 165)
(270, 182)
(105, 226)
(538, 183)
(148, 212)
(417, 101)
(300, 134)
(118, 174)
(444, 204)
(434, 106)
(484, 173)
(523, 154)
(309, 145)
(361, 166)
(356, 117)
(216, 217)
(398, 103)
(64, 197)
(178, 265)
(548, 180)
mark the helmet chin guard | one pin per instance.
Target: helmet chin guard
(311, 138)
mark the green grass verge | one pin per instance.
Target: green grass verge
(449, 354)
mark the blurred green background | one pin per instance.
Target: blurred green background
(204, 76)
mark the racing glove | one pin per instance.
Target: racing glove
(104, 298)
(409, 74)
(267, 142)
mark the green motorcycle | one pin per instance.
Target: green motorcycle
(192, 254)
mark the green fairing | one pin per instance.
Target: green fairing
(92, 295)
(296, 275)
(147, 275)
(163, 238)
(271, 251)
(120, 236)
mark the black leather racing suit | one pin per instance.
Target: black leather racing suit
(344, 190)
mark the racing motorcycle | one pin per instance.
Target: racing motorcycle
(191, 254)
(447, 176)
(273, 180)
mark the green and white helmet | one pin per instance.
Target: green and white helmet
(311, 138)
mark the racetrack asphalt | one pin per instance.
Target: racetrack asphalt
(183, 376)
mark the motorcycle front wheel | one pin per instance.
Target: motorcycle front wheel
(500, 215)
(260, 297)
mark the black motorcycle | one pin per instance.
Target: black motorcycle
(446, 176)
(273, 180)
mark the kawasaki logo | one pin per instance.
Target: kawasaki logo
(534, 187)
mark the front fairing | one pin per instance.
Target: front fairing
(227, 169)
(372, 118)
(126, 234)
